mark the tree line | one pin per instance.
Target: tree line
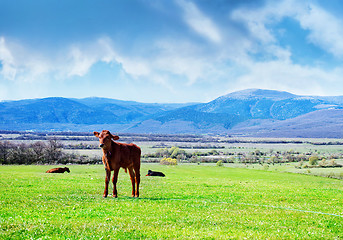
(40, 153)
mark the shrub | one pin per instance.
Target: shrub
(322, 163)
(168, 161)
(220, 163)
(273, 160)
(313, 160)
(332, 163)
(213, 152)
(300, 165)
(193, 159)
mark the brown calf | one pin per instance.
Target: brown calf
(119, 155)
(58, 170)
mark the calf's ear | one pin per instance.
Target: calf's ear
(114, 137)
(96, 134)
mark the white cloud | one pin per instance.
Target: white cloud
(21, 64)
(199, 22)
(255, 20)
(183, 59)
(80, 62)
(7, 61)
(134, 66)
(82, 57)
(283, 75)
(326, 30)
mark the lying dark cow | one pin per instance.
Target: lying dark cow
(58, 170)
(153, 173)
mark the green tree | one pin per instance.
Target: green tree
(174, 152)
(313, 160)
(220, 163)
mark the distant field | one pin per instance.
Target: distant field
(191, 202)
(238, 151)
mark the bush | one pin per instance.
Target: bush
(168, 161)
(332, 163)
(220, 163)
(322, 163)
(313, 160)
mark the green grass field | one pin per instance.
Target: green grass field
(191, 202)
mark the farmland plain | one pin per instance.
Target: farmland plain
(191, 202)
(291, 154)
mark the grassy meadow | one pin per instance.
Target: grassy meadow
(191, 202)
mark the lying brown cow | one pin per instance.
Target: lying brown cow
(119, 155)
(58, 170)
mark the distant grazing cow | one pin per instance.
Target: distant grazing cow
(119, 155)
(153, 173)
(58, 170)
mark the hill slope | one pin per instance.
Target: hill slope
(317, 124)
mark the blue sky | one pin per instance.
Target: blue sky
(169, 50)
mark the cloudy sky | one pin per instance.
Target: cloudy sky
(169, 50)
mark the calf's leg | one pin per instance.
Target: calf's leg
(132, 177)
(107, 180)
(138, 180)
(114, 180)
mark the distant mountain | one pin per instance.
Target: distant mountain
(128, 111)
(242, 109)
(251, 112)
(76, 114)
(50, 110)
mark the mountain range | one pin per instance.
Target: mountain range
(251, 112)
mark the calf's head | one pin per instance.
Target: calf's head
(67, 169)
(105, 139)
